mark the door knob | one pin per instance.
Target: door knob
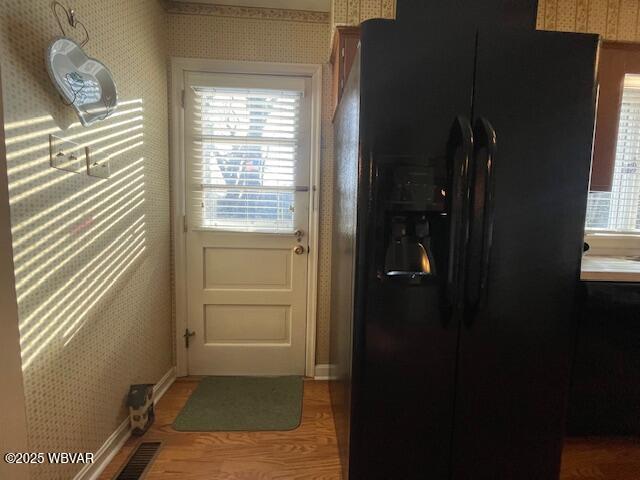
(298, 250)
(298, 234)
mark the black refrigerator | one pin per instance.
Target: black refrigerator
(462, 157)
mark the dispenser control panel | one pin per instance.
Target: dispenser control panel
(412, 183)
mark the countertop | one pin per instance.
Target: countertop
(610, 269)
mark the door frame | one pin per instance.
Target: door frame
(180, 65)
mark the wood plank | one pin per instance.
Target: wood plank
(592, 458)
(306, 453)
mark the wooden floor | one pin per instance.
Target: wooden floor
(310, 452)
(601, 458)
(307, 453)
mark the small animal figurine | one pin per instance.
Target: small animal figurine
(140, 403)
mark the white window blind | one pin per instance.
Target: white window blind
(244, 161)
(618, 211)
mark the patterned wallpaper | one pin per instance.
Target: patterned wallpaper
(613, 19)
(272, 38)
(91, 256)
(353, 12)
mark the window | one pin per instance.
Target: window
(619, 209)
(613, 210)
(247, 145)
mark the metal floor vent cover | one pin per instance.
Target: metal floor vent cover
(139, 461)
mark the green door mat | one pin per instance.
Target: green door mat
(242, 404)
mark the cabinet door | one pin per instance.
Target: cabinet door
(537, 91)
(343, 54)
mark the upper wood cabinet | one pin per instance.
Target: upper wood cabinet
(343, 52)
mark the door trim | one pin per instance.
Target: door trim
(180, 65)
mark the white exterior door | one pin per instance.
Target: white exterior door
(247, 164)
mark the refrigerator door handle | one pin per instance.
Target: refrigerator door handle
(460, 155)
(482, 212)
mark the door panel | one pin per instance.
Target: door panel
(228, 267)
(515, 349)
(250, 324)
(247, 154)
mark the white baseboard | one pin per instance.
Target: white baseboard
(105, 453)
(117, 439)
(163, 385)
(323, 372)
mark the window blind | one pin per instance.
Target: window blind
(245, 145)
(618, 210)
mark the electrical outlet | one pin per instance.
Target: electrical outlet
(66, 155)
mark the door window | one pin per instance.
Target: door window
(246, 145)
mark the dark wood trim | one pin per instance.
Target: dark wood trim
(616, 60)
(345, 38)
(620, 45)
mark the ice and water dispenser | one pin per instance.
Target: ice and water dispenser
(411, 205)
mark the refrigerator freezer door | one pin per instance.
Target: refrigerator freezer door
(537, 90)
(414, 84)
(405, 339)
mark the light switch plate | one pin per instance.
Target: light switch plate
(99, 168)
(66, 155)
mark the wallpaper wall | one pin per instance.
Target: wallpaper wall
(353, 12)
(270, 36)
(91, 256)
(613, 19)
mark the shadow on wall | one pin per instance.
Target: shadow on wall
(74, 236)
